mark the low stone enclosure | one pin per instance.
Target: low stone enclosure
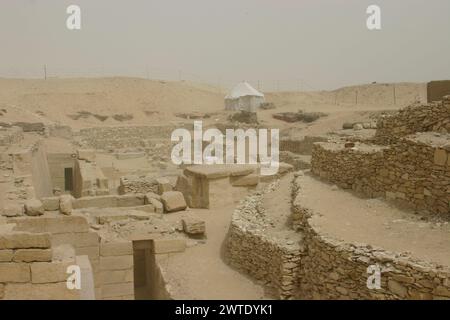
(408, 166)
(306, 263)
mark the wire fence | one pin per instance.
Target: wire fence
(218, 82)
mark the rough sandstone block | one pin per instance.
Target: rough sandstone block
(50, 203)
(193, 225)
(53, 225)
(151, 195)
(34, 207)
(78, 240)
(32, 255)
(249, 180)
(66, 204)
(48, 272)
(116, 276)
(86, 154)
(130, 200)
(116, 249)
(49, 291)
(116, 262)
(117, 290)
(173, 201)
(13, 210)
(168, 245)
(23, 240)
(6, 255)
(14, 272)
(164, 185)
(157, 206)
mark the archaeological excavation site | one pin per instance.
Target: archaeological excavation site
(220, 159)
(357, 209)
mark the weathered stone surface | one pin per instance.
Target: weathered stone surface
(157, 205)
(32, 255)
(23, 240)
(13, 210)
(244, 181)
(163, 185)
(6, 255)
(116, 262)
(86, 154)
(34, 207)
(117, 290)
(116, 276)
(14, 272)
(193, 226)
(53, 225)
(168, 245)
(173, 201)
(48, 272)
(65, 204)
(151, 195)
(50, 203)
(50, 291)
(116, 249)
(76, 239)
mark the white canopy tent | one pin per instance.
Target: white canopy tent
(244, 97)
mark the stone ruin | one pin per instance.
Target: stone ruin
(404, 170)
(108, 201)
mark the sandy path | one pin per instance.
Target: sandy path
(201, 273)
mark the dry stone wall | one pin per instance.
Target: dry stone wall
(414, 171)
(416, 118)
(272, 260)
(333, 269)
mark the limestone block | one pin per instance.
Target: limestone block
(24, 240)
(107, 201)
(14, 272)
(13, 210)
(76, 239)
(32, 255)
(34, 207)
(6, 255)
(130, 200)
(116, 249)
(173, 201)
(53, 225)
(65, 204)
(248, 180)
(397, 289)
(184, 185)
(163, 185)
(168, 245)
(193, 226)
(48, 291)
(50, 203)
(116, 262)
(48, 272)
(151, 195)
(157, 205)
(117, 290)
(116, 276)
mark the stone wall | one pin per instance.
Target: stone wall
(416, 118)
(138, 184)
(300, 146)
(273, 261)
(414, 171)
(28, 270)
(111, 138)
(116, 274)
(436, 90)
(332, 269)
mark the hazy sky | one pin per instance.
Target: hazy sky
(324, 42)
